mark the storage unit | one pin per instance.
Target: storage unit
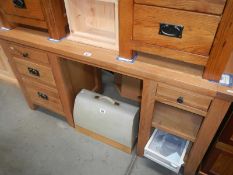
(43, 95)
(33, 69)
(43, 14)
(114, 121)
(190, 31)
(93, 22)
(167, 150)
(176, 121)
(173, 29)
(183, 99)
(202, 107)
(180, 110)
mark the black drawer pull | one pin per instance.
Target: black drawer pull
(171, 30)
(19, 4)
(33, 72)
(43, 96)
(180, 100)
(25, 55)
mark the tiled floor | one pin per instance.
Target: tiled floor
(41, 143)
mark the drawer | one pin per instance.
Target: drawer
(35, 71)
(183, 99)
(29, 9)
(175, 29)
(205, 6)
(28, 53)
(43, 95)
(167, 150)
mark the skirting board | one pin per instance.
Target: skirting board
(9, 79)
(104, 139)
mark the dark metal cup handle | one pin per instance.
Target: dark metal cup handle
(33, 72)
(19, 4)
(180, 100)
(43, 96)
(171, 30)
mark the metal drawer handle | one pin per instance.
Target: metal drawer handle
(33, 72)
(171, 30)
(43, 96)
(180, 100)
(19, 4)
(24, 54)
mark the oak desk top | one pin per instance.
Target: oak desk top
(145, 67)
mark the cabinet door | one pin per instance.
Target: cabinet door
(227, 134)
(218, 162)
(5, 70)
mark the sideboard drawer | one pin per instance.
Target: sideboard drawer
(43, 95)
(35, 71)
(183, 99)
(28, 53)
(175, 29)
(205, 6)
(28, 9)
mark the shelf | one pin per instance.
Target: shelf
(176, 121)
(93, 22)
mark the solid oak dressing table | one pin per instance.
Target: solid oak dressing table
(201, 109)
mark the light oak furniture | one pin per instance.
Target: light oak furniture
(201, 108)
(128, 87)
(191, 31)
(93, 22)
(219, 159)
(43, 14)
(39, 82)
(6, 72)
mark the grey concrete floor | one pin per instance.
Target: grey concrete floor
(41, 143)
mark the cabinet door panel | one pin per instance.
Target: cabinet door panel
(227, 134)
(219, 162)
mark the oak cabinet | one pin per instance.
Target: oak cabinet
(93, 22)
(43, 14)
(189, 31)
(39, 82)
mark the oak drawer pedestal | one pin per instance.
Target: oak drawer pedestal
(39, 82)
(43, 14)
(190, 31)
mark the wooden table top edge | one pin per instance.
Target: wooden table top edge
(106, 59)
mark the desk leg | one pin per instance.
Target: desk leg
(146, 114)
(64, 86)
(17, 75)
(217, 112)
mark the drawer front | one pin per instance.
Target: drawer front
(27, 53)
(29, 9)
(183, 99)
(35, 71)
(205, 6)
(175, 29)
(43, 95)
